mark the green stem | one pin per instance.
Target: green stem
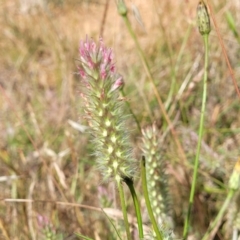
(124, 211)
(200, 133)
(211, 230)
(129, 182)
(148, 204)
(123, 12)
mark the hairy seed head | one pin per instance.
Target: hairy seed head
(104, 110)
(157, 179)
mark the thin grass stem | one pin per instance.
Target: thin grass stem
(156, 93)
(124, 211)
(200, 133)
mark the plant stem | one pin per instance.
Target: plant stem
(156, 93)
(211, 230)
(148, 204)
(129, 183)
(123, 205)
(200, 133)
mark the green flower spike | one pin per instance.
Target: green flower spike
(157, 180)
(104, 111)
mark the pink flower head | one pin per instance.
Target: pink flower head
(97, 60)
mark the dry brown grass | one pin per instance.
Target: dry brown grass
(40, 93)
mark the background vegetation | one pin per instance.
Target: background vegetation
(46, 157)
